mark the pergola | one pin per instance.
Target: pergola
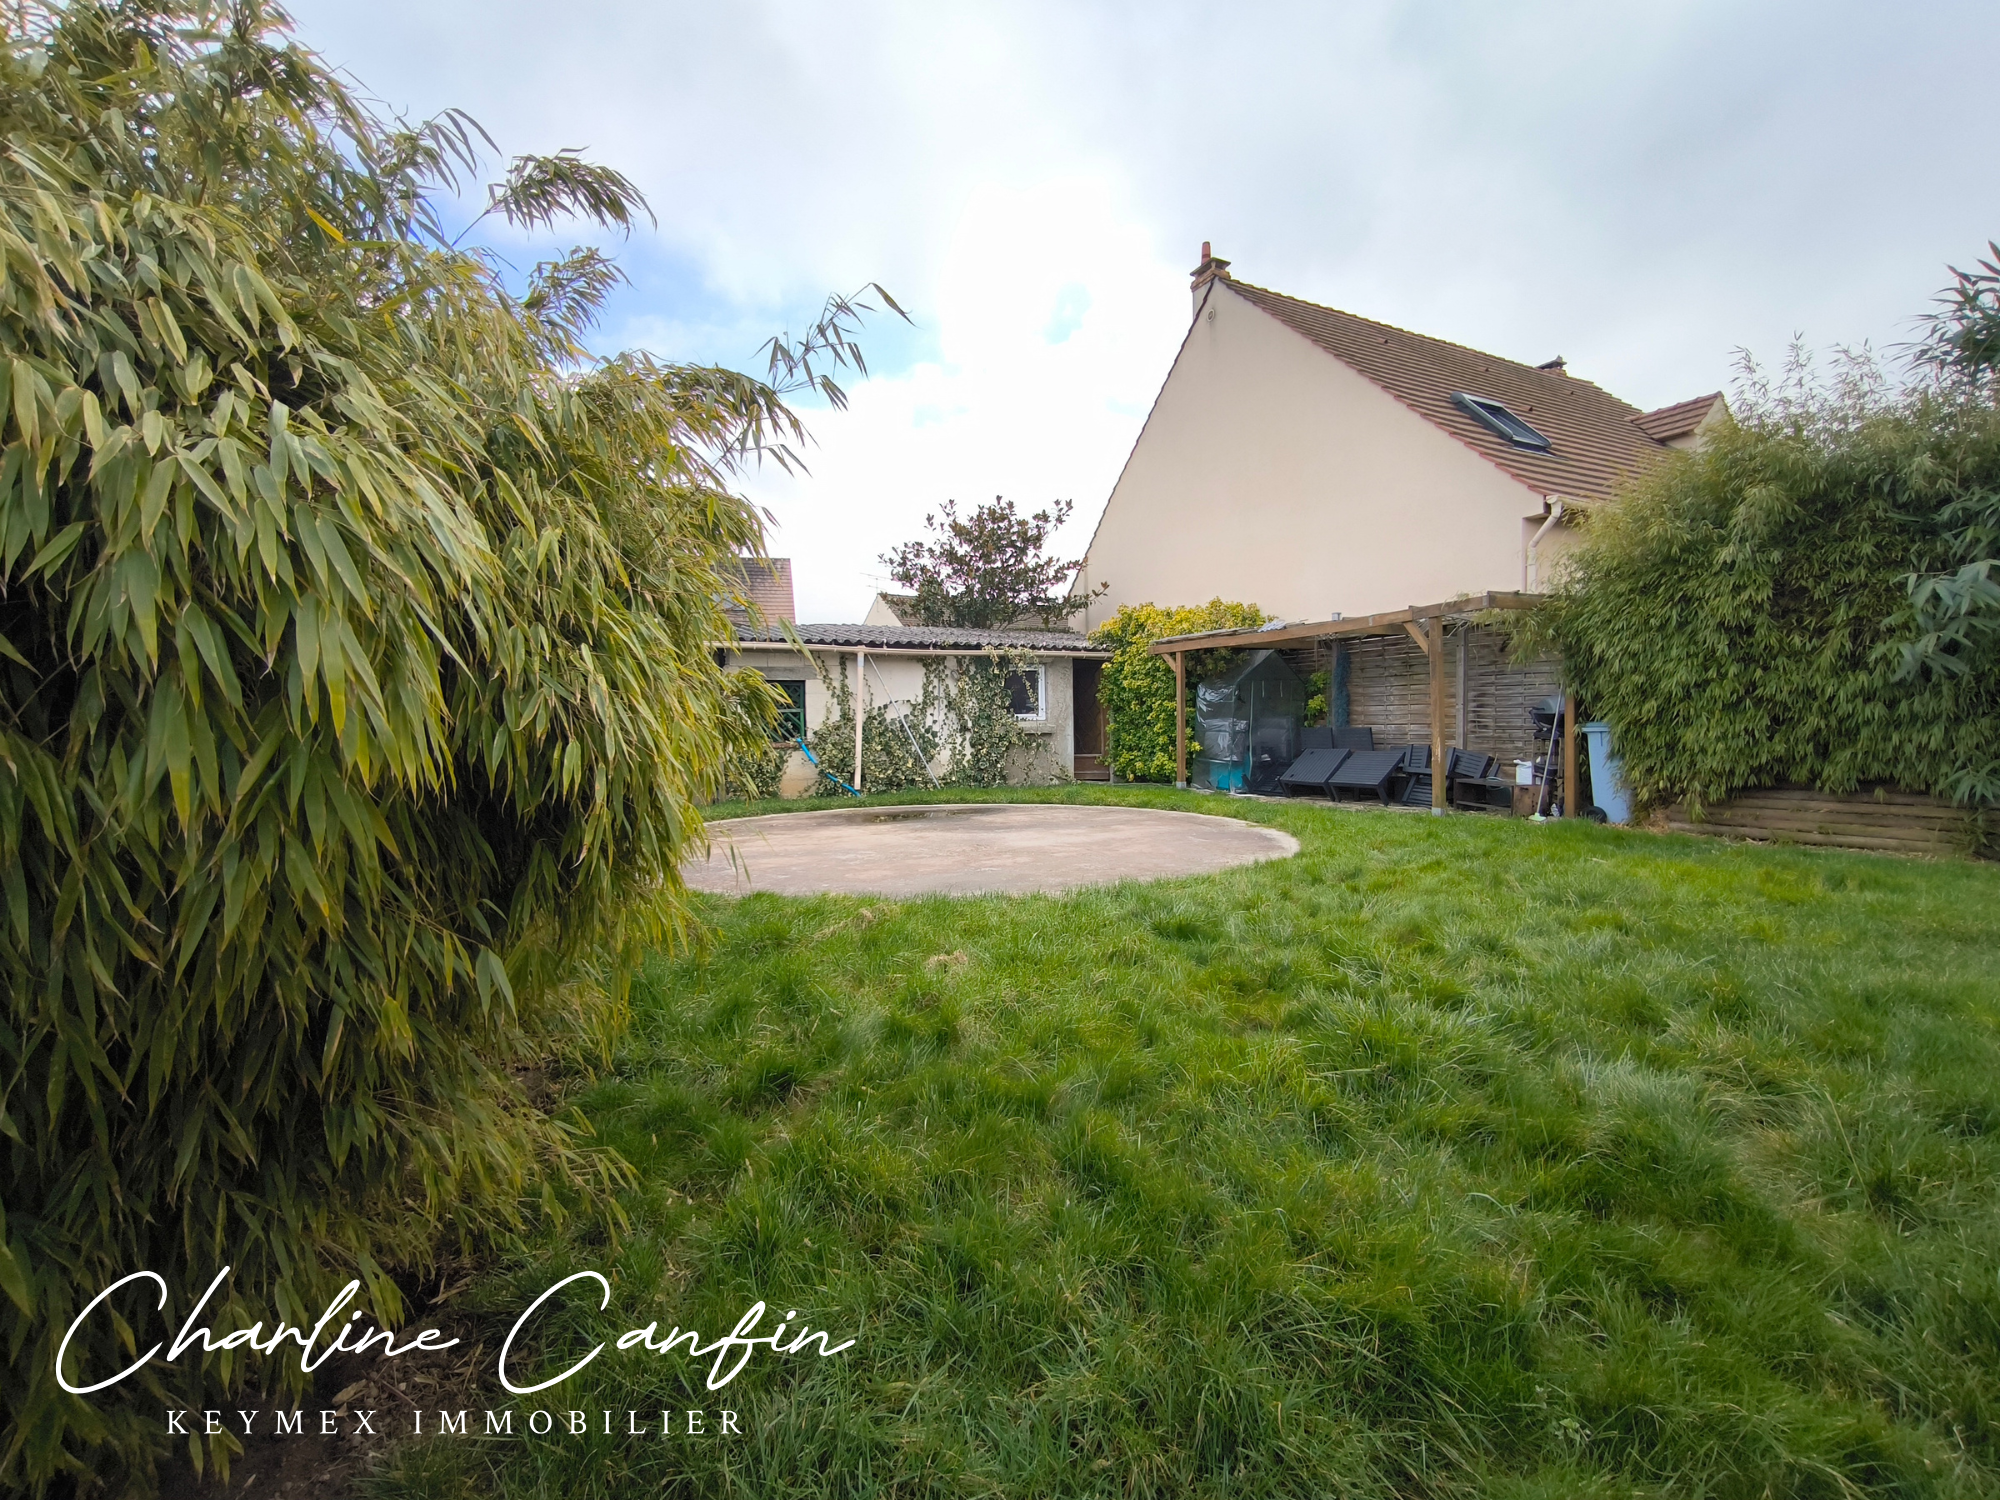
(1424, 623)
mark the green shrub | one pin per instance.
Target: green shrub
(1137, 688)
(1737, 618)
(357, 681)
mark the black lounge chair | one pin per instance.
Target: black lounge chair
(1478, 786)
(1366, 771)
(1459, 765)
(1315, 737)
(1307, 775)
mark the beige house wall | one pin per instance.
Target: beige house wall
(1270, 472)
(889, 676)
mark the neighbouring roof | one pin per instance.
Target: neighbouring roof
(766, 583)
(1679, 420)
(1595, 439)
(904, 608)
(927, 638)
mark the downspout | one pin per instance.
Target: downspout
(1534, 579)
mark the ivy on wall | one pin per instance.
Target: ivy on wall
(1137, 688)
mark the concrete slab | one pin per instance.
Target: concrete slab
(965, 849)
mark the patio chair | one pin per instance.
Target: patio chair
(1366, 771)
(1354, 737)
(1479, 787)
(1316, 737)
(1459, 764)
(1306, 776)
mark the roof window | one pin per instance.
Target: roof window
(1492, 414)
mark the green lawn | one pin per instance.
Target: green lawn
(1454, 1156)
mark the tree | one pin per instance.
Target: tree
(988, 570)
(357, 697)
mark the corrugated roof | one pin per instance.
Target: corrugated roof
(904, 607)
(1678, 420)
(926, 638)
(1595, 439)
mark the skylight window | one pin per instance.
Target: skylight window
(1492, 414)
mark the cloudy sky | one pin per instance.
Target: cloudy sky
(1641, 188)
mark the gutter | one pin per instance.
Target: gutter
(1088, 655)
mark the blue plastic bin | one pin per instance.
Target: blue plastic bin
(1607, 777)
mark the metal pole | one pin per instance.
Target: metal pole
(1180, 720)
(860, 711)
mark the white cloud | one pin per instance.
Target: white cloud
(1057, 317)
(1640, 188)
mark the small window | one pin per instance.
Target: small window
(1492, 414)
(1024, 693)
(792, 717)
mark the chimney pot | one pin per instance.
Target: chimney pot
(1212, 268)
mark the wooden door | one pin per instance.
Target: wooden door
(1091, 724)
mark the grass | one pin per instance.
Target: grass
(1453, 1156)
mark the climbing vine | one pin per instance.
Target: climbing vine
(960, 731)
(1137, 688)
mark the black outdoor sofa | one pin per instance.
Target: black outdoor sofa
(1357, 771)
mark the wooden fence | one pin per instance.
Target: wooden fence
(1890, 821)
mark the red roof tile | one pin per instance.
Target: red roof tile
(1596, 440)
(766, 583)
(1678, 420)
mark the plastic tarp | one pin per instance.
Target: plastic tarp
(1246, 722)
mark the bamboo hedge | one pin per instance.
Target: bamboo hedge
(1747, 616)
(355, 685)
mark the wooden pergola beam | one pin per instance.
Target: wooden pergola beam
(1572, 772)
(1390, 622)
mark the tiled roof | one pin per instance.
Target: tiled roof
(1678, 420)
(766, 583)
(926, 638)
(1595, 439)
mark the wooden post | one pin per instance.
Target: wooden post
(1462, 733)
(1180, 720)
(1438, 748)
(1572, 774)
(860, 709)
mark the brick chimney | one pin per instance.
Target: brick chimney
(1212, 268)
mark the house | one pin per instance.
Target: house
(1319, 464)
(891, 609)
(888, 663)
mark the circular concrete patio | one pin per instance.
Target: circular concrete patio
(966, 849)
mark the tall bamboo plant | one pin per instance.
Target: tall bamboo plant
(355, 683)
